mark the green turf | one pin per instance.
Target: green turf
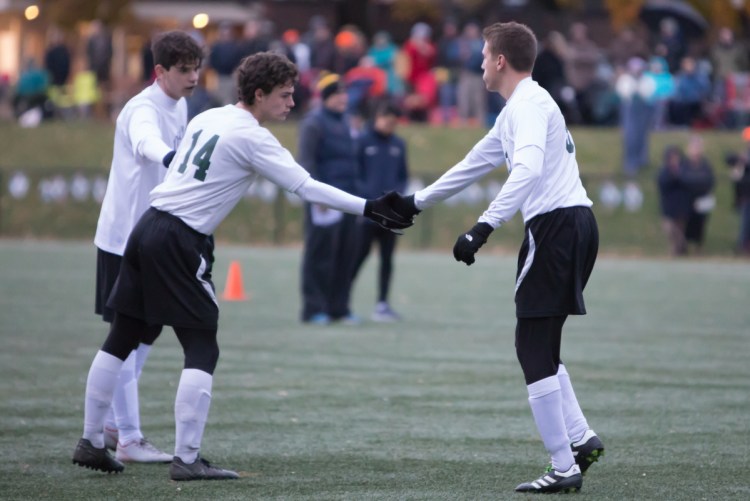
(432, 408)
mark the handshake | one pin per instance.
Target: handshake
(396, 212)
(392, 211)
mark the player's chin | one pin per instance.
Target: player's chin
(188, 91)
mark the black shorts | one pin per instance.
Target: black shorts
(165, 277)
(555, 262)
(107, 268)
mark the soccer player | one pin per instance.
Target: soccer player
(559, 249)
(165, 278)
(149, 129)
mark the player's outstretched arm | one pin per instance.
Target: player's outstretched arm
(383, 210)
(470, 242)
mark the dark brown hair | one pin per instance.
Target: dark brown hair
(513, 40)
(175, 47)
(264, 71)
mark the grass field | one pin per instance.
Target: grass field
(433, 408)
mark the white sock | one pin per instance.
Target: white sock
(191, 412)
(575, 421)
(545, 399)
(100, 385)
(141, 354)
(125, 403)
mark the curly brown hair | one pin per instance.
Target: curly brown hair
(264, 71)
(175, 47)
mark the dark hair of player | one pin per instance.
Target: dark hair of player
(264, 71)
(175, 47)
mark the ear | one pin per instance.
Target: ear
(160, 70)
(259, 95)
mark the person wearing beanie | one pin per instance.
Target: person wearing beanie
(326, 150)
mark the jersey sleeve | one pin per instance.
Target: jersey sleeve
(145, 134)
(274, 162)
(486, 155)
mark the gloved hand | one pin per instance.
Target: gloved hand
(469, 243)
(168, 158)
(381, 210)
(406, 207)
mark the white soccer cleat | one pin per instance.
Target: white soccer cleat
(141, 451)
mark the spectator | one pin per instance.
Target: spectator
(326, 150)
(422, 87)
(383, 53)
(581, 63)
(740, 175)
(99, 57)
(382, 167)
(549, 72)
(31, 89)
(57, 59)
(658, 71)
(636, 112)
(223, 58)
(698, 176)
(625, 46)
(322, 47)
(671, 39)
(350, 47)
(674, 200)
(449, 65)
(253, 39)
(692, 88)
(472, 93)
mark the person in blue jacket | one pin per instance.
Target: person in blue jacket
(382, 167)
(327, 150)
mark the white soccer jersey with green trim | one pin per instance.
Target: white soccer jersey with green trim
(225, 150)
(149, 126)
(530, 136)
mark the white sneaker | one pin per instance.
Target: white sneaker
(111, 436)
(384, 313)
(141, 451)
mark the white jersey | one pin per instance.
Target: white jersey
(224, 152)
(530, 136)
(149, 126)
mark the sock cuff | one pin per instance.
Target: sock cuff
(197, 378)
(107, 362)
(543, 387)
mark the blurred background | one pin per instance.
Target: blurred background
(633, 79)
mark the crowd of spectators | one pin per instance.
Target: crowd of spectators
(435, 73)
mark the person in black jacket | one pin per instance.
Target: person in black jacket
(327, 151)
(382, 167)
(674, 199)
(699, 178)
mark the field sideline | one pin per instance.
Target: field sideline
(433, 408)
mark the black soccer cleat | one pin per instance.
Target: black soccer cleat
(88, 456)
(554, 481)
(199, 470)
(588, 450)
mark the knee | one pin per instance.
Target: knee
(203, 357)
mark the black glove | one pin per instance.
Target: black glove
(469, 243)
(381, 210)
(168, 158)
(406, 207)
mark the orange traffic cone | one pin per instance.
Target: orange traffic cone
(234, 290)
